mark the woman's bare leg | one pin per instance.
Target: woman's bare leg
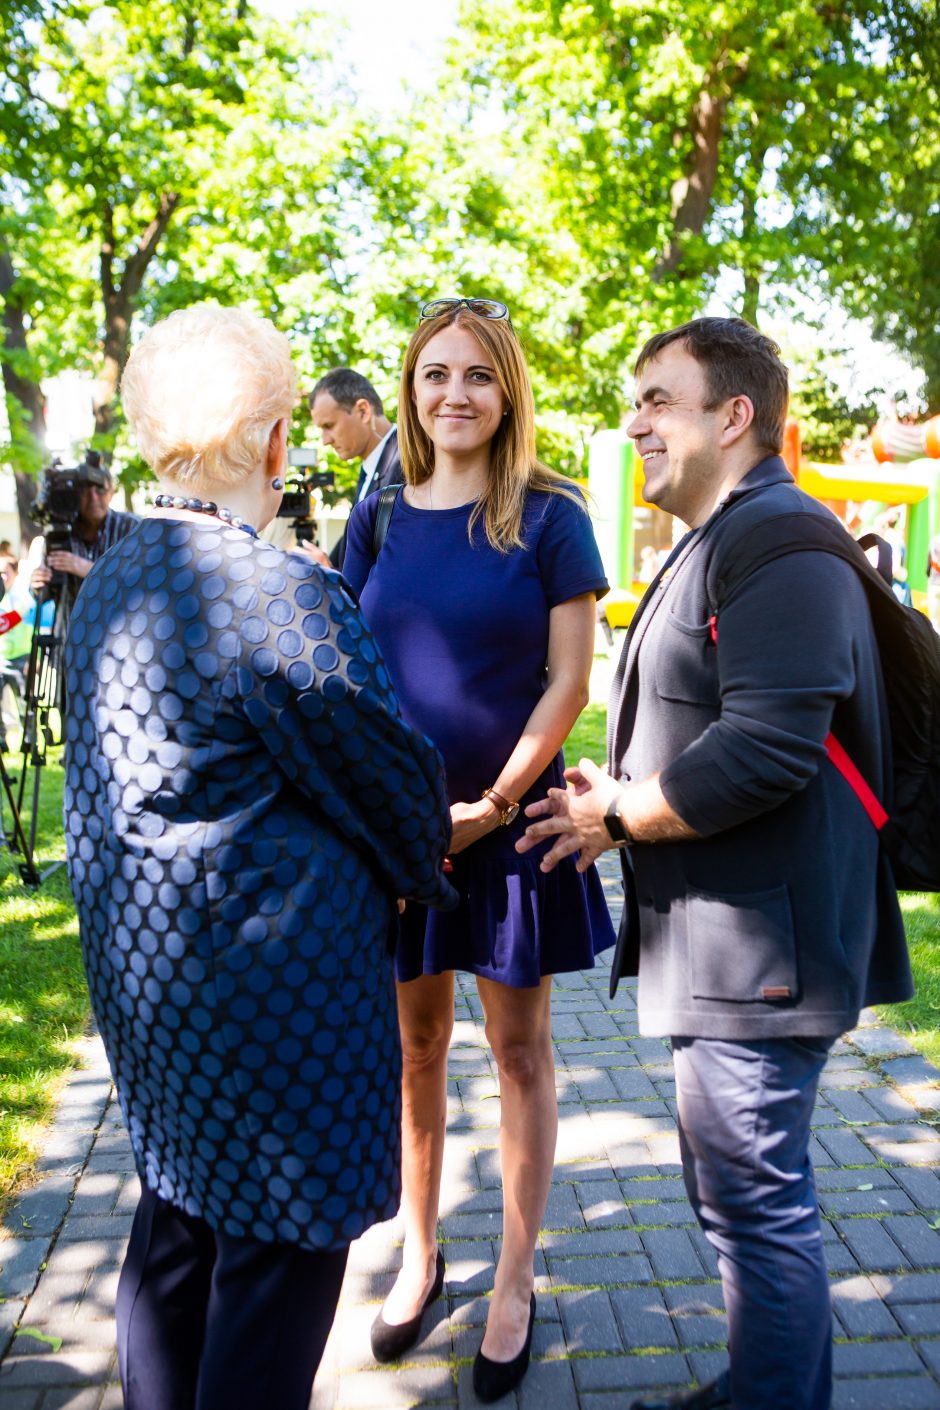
(519, 1029)
(426, 1019)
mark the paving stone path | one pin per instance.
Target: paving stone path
(628, 1297)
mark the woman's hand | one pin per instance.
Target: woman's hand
(470, 822)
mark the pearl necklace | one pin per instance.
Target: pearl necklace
(198, 506)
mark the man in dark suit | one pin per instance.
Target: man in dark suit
(759, 907)
(347, 411)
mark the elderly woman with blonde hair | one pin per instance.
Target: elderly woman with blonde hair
(244, 803)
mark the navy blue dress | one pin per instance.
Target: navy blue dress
(464, 631)
(243, 804)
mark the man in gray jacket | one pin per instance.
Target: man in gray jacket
(759, 907)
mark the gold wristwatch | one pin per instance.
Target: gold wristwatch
(507, 809)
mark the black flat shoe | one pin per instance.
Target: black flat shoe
(715, 1396)
(390, 1341)
(494, 1379)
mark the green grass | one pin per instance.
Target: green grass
(44, 1004)
(919, 1018)
(43, 1001)
(588, 739)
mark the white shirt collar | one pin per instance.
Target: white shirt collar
(371, 462)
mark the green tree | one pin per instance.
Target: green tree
(174, 153)
(652, 157)
(24, 226)
(871, 201)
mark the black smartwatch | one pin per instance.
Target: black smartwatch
(615, 825)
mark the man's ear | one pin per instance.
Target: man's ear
(277, 447)
(364, 410)
(738, 418)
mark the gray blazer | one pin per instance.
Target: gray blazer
(782, 919)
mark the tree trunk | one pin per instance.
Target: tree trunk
(120, 300)
(692, 192)
(751, 301)
(26, 407)
(749, 232)
(116, 344)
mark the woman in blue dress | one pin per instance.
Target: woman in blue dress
(243, 805)
(482, 599)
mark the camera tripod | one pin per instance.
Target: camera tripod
(43, 722)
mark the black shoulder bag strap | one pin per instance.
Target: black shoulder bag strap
(383, 517)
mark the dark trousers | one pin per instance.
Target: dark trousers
(210, 1322)
(744, 1126)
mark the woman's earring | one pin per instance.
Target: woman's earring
(277, 483)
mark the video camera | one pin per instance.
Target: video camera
(58, 501)
(296, 502)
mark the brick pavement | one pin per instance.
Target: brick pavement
(628, 1297)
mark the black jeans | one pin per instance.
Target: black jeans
(210, 1322)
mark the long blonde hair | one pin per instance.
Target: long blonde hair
(515, 469)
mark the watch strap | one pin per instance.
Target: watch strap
(617, 830)
(507, 809)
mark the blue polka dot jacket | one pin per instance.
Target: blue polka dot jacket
(243, 805)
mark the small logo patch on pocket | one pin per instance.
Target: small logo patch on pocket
(775, 991)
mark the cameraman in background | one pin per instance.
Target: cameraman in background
(95, 528)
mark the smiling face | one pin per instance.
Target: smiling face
(457, 396)
(681, 442)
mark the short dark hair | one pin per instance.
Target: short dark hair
(737, 361)
(346, 387)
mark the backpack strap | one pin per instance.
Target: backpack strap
(885, 565)
(794, 533)
(383, 517)
(805, 534)
(845, 764)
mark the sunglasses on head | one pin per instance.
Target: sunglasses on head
(483, 308)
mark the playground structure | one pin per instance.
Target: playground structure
(903, 473)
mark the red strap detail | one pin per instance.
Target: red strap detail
(840, 759)
(855, 781)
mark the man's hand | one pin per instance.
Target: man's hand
(39, 578)
(575, 815)
(313, 551)
(63, 562)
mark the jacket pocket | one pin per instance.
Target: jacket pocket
(742, 949)
(686, 664)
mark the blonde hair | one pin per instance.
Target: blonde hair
(515, 469)
(203, 390)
